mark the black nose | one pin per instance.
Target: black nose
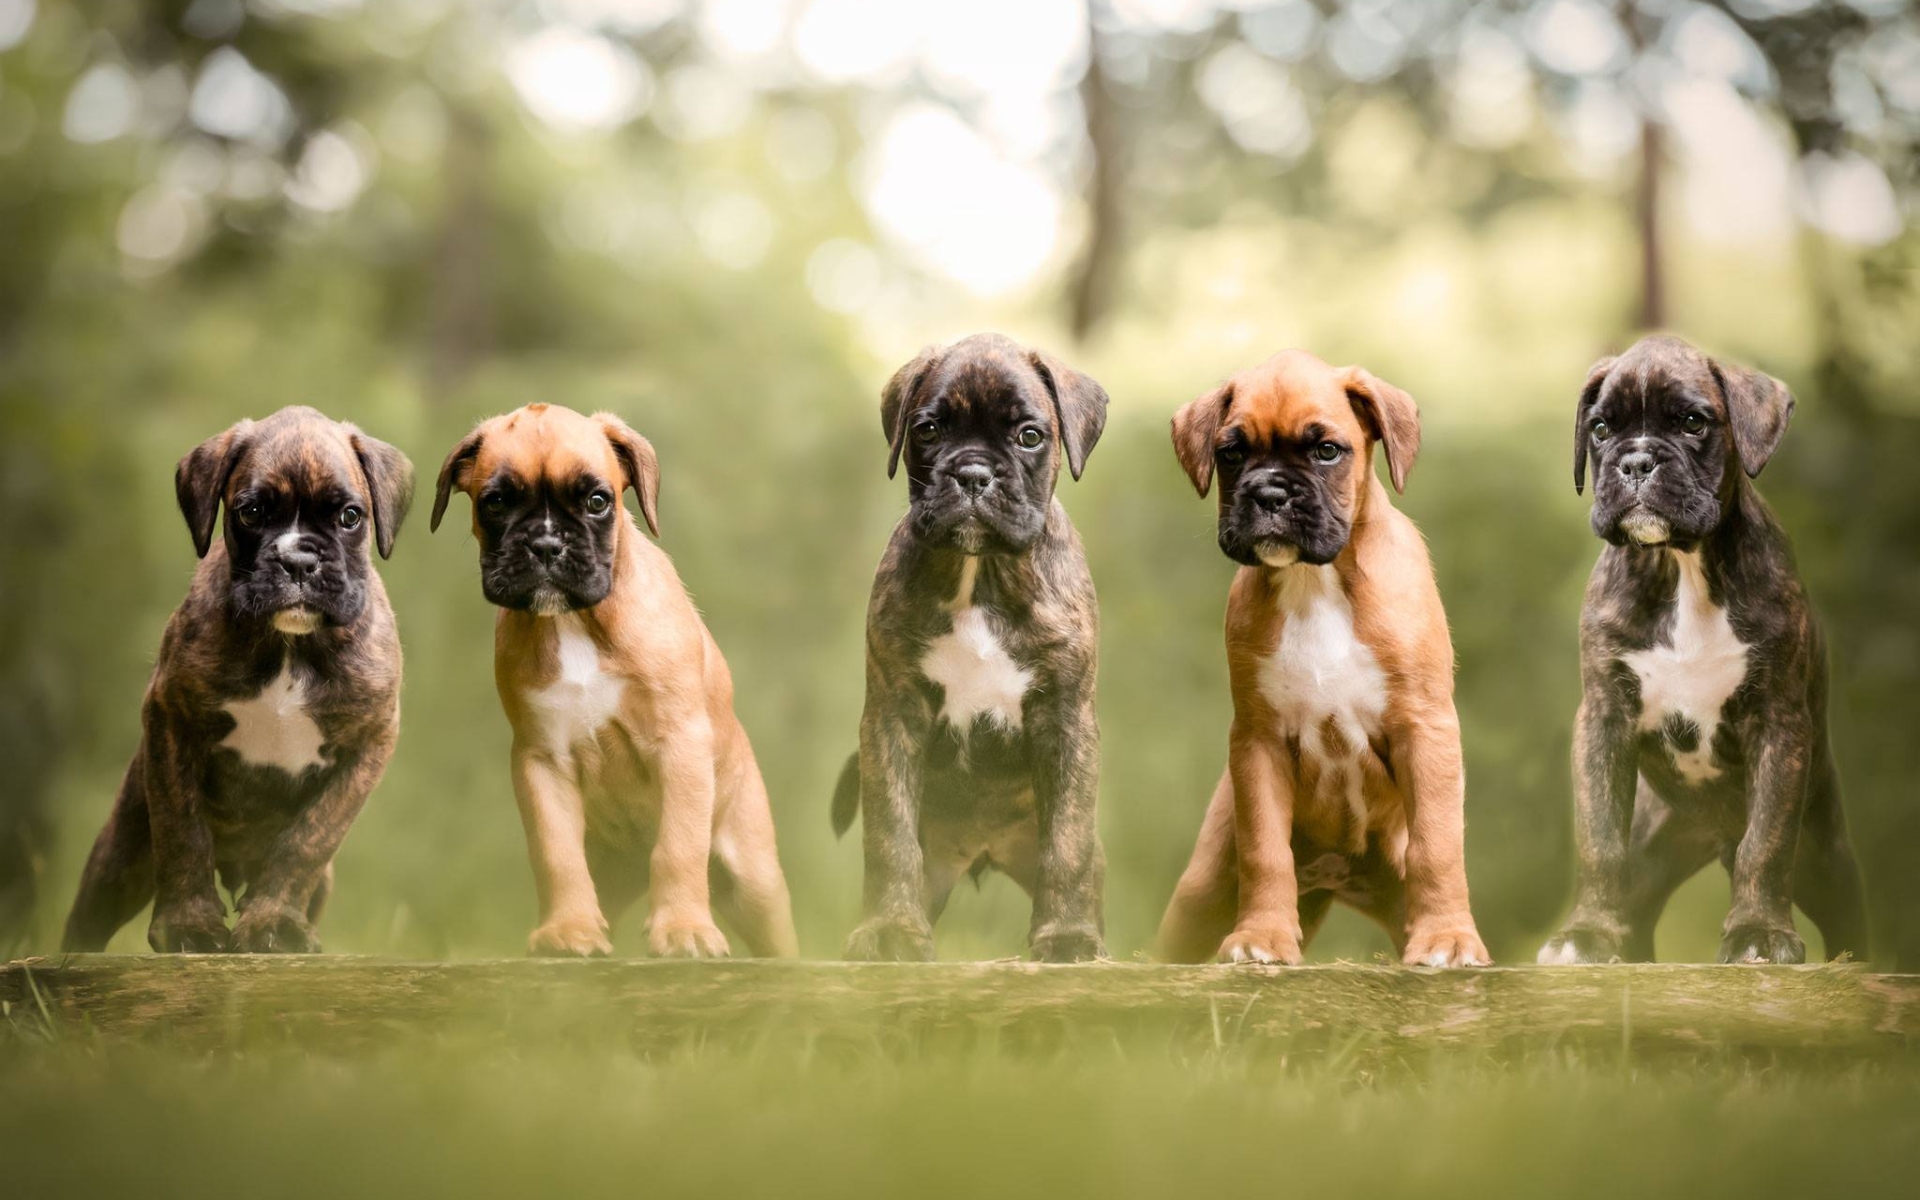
(1636, 466)
(299, 565)
(974, 479)
(547, 548)
(1272, 497)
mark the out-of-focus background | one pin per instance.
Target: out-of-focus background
(728, 220)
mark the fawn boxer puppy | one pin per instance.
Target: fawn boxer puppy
(631, 770)
(1702, 730)
(275, 702)
(1344, 778)
(978, 744)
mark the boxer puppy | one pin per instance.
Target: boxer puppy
(1344, 778)
(631, 770)
(978, 744)
(1702, 730)
(276, 699)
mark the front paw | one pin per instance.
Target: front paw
(268, 927)
(1067, 944)
(1261, 944)
(1454, 944)
(685, 935)
(1755, 942)
(891, 939)
(570, 935)
(193, 929)
(1580, 944)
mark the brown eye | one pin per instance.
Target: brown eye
(926, 432)
(598, 503)
(1328, 452)
(350, 517)
(1031, 437)
(251, 514)
(1601, 432)
(1693, 423)
(1230, 456)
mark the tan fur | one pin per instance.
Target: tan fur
(1269, 807)
(669, 781)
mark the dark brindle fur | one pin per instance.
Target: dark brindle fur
(941, 802)
(1674, 439)
(291, 589)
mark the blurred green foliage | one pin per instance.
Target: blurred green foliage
(153, 290)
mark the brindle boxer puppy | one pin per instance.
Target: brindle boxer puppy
(632, 772)
(1343, 778)
(276, 699)
(1702, 730)
(978, 746)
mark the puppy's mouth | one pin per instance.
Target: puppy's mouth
(970, 534)
(297, 621)
(549, 601)
(1277, 553)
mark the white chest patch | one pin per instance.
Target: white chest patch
(1324, 684)
(978, 675)
(583, 697)
(1692, 675)
(273, 728)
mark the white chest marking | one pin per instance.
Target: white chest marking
(273, 729)
(583, 697)
(1322, 680)
(1692, 675)
(978, 675)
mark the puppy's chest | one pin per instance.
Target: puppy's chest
(583, 695)
(275, 728)
(979, 678)
(1686, 681)
(1324, 685)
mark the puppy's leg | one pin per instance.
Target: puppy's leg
(1068, 924)
(187, 912)
(1203, 907)
(681, 923)
(895, 926)
(1664, 852)
(757, 903)
(1826, 879)
(1604, 780)
(1267, 928)
(118, 879)
(1759, 925)
(554, 816)
(276, 914)
(1440, 928)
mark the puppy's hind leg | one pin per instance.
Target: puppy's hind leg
(118, 880)
(1826, 879)
(1207, 898)
(756, 903)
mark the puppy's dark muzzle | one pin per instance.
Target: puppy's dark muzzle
(1636, 469)
(300, 567)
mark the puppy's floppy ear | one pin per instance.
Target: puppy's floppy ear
(1080, 404)
(453, 473)
(390, 479)
(1393, 418)
(1758, 408)
(1194, 428)
(201, 480)
(1589, 396)
(896, 402)
(639, 462)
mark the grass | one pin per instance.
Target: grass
(84, 1115)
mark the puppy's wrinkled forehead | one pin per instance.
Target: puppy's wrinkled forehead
(1293, 397)
(1658, 367)
(543, 444)
(300, 451)
(986, 375)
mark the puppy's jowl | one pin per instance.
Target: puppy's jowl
(1702, 730)
(978, 744)
(1344, 778)
(275, 702)
(632, 773)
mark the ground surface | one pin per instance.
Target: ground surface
(341, 1076)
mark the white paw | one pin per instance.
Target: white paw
(1557, 954)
